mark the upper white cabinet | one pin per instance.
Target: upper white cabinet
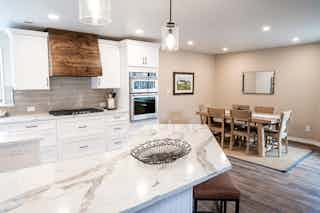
(142, 54)
(30, 64)
(110, 61)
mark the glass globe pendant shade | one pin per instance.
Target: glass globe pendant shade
(170, 37)
(95, 12)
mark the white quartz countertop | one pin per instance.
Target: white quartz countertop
(47, 116)
(114, 182)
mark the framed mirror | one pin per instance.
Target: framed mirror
(258, 82)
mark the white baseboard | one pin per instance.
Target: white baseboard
(305, 141)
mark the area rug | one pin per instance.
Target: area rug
(283, 164)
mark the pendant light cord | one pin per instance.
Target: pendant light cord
(170, 11)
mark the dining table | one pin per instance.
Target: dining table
(262, 120)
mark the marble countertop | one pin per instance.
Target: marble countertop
(113, 182)
(47, 116)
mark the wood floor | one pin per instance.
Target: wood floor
(267, 191)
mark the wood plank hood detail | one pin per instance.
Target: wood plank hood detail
(73, 54)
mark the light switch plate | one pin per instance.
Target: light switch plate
(308, 128)
(102, 104)
(31, 109)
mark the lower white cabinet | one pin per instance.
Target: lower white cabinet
(68, 138)
(18, 155)
(80, 127)
(46, 130)
(117, 135)
(83, 146)
(48, 154)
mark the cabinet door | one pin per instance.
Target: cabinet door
(110, 62)
(151, 56)
(143, 56)
(31, 67)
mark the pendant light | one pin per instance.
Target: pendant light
(95, 12)
(170, 34)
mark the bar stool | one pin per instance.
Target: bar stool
(221, 189)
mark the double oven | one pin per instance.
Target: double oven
(143, 95)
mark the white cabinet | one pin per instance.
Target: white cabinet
(80, 136)
(80, 127)
(117, 128)
(29, 57)
(110, 61)
(46, 130)
(142, 54)
(83, 146)
(19, 155)
(67, 138)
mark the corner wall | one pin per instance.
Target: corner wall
(182, 108)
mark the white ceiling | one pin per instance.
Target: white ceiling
(211, 24)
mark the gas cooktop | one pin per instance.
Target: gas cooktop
(74, 111)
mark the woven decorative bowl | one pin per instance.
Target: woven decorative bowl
(161, 151)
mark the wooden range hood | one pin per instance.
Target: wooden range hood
(73, 54)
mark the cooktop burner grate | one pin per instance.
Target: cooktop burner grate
(74, 111)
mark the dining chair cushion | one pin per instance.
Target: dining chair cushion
(220, 187)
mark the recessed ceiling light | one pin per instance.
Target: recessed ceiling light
(225, 49)
(266, 28)
(295, 39)
(139, 31)
(190, 43)
(53, 17)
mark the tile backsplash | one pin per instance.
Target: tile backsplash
(65, 93)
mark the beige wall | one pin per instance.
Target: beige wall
(182, 108)
(297, 83)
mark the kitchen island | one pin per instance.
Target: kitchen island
(115, 182)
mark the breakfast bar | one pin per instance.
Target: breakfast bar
(115, 182)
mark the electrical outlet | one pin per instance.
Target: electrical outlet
(102, 104)
(31, 109)
(307, 128)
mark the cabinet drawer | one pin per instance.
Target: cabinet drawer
(17, 156)
(119, 130)
(31, 126)
(83, 147)
(116, 143)
(118, 117)
(77, 127)
(48, 154)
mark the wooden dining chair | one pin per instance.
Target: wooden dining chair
(264, 109)
(216, 123)
(203, 118)
(240, 107)
(241, 127)
(281, 135)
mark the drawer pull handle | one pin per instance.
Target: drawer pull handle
(31, 126)
(84, 147)
(117, 128)
(117, 117)
(117, 142)
(82, 127)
